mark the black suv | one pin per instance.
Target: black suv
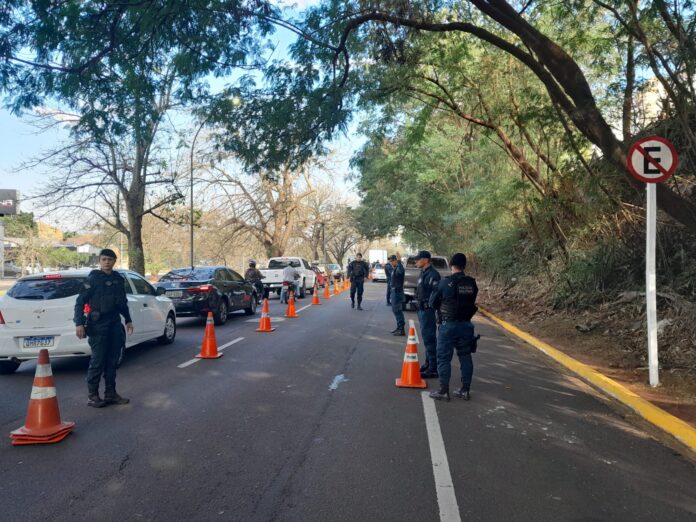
(201, 289)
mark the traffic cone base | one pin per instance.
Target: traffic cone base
(209, 350)
(265, 324)
(43, 424)
(410, 369)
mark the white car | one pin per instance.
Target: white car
(378, 273)
(37, 312)
(273, 280)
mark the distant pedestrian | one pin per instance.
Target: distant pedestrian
(104, 291)
(455, 299)
(388, 269)
(427, 282)
(358, 270)
(396, 284)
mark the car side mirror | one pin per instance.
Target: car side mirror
(161, 291)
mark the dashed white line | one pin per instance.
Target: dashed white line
(303, 308)
(446, 499)
(220, 348)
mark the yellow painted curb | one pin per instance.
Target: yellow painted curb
(680, 430)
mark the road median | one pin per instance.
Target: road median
(673, 426)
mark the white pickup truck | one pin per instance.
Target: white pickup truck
(273, 282)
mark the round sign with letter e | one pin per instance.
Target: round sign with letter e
(652, 160)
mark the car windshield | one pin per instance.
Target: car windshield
(334, 267)
(275, 264)
(46, 289)
(188, 274)
(411, 262)
(438, 262)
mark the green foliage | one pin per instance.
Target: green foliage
(64, 258)
(21, 225)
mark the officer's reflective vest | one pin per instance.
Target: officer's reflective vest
(461, 304)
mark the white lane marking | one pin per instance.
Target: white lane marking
(336, 381)
(227, 345)
(220, 348)
(303, 308)
(446, 498)
(273, 320)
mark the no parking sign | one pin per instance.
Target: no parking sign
(652, 160)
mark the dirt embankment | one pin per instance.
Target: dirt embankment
(611, 337)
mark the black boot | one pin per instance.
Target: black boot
(399, 332)
(424, 367)
(352, 304)
(429, 374)
(359, 307)
(111, 397)
(94, 400)
(441, 395)
(463, 393)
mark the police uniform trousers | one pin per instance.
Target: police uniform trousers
(397, 301)
(389, 290)
(106, 338)
(455, 335)
(428, 325)
(357, 286)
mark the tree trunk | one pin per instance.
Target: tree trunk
(136, 252)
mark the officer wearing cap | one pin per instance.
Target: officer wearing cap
(427, 282)
(455, 298)
(396, 286)
(105, 292)
(358, 270)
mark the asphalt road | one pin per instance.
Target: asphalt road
(305, 424)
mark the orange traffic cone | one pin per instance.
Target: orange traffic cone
(410, 370)
(336, 289)
(346, 284)
(327, 293)
(209, 350)
(265, 324)
(291, 313)
(43, 424)
(315, 294)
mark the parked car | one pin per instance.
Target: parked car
(37, 311)
(332, 270)
(412, 274)
(378, 273)
(321, 278)
(198, 290)
(273, 281)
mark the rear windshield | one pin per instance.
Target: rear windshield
(438, 262)
(411, 262)
(186, 274)
(275, 264)
(46, 289)
(334, 267)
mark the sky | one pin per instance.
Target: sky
(21, 142)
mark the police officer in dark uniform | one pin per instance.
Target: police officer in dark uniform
(105, 293)
(396, 284)
(427, 282)
(358, 270)
(455, 299)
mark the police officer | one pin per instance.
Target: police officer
(455, 298)
(358, 270)
(388, 273)
(105, 292)
(427, 282)
(396, 284)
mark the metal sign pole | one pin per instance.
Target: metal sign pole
(2, 250)
(651, 286)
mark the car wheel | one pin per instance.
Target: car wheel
(169, 330)
(220, 316)
(7, 367)
(303, 290)
(252, 306)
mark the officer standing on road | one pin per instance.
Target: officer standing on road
(455, 298)
(396, 285)
(388, 273)
(427, 282)
(358, 270)
(105, 293)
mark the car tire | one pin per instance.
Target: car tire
(252, 307)
(8, 367)
(303, 290)
(220, 315)
(169, 331)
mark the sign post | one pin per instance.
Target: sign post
(652, 160)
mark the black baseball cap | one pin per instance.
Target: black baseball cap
(392, 258)
(458, 260)
(107, 252)
(423, 254)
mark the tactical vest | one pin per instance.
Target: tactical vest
(108, 291)
(358, 269)
(461, 306)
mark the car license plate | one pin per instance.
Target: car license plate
(37, 342)
(177, 293)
